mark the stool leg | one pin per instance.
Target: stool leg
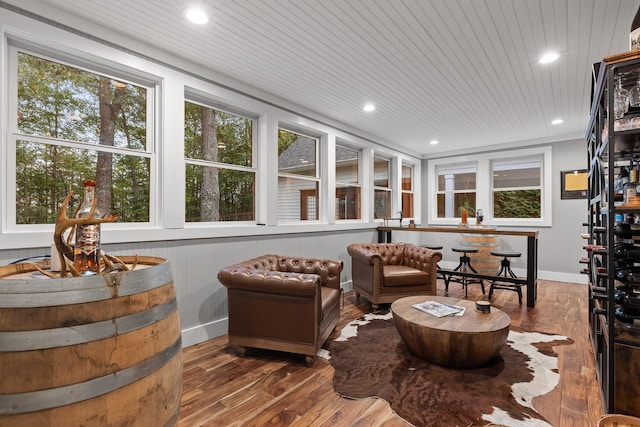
(498, 274)
(502, 270)
(465, 266)
(505, 271)
(448, 279)
(476, 271)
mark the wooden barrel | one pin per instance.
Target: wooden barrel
(483, 261)
(100, 350)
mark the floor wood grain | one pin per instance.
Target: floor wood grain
(277, 389)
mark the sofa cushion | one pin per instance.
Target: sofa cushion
(400, 275)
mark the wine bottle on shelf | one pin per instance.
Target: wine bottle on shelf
(621, 182)
(86, 254)
(634, 34)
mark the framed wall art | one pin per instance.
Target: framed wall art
(574, 184)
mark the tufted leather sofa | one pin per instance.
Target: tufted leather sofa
(282, 303)
(385, 272)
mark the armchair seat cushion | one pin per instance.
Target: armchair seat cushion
(400, 275)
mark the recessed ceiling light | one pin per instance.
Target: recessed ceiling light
(368, 107)
(434, 142)
(197, 16)
(557, 121)
(549, 57)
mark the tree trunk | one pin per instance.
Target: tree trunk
(135, 188)
(210, 192)
(110, 107)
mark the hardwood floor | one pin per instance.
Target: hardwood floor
(270, 388)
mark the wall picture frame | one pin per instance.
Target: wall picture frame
(574, 184)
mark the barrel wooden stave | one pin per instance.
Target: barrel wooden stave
(129, 373)
(62, 366)
(34, 318)
(150, 401)
(483, 261)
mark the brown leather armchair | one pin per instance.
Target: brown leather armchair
(385, 272)
(282, 303)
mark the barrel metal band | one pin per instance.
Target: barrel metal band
(18, 403)
(73, 335)
(57, 292)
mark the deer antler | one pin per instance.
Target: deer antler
(113, 263)
(63, 223)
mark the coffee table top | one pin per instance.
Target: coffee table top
(471, 322)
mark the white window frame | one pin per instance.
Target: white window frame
(388, 188)
(484, 186)
(107, 69)
(204, 102)
(512, 162)
(460, 168)
(411, 191)
(358, 184)
(317, 178)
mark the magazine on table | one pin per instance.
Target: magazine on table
(439, 310)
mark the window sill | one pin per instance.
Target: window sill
(112, 235)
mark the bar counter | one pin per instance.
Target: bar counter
(384, 235)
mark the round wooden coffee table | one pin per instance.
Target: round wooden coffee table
(464, 341)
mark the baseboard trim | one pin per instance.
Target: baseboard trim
(201, 333)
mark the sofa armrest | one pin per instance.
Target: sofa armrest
(421, 258)
(327, 269)
(270, 282)
(362, 254)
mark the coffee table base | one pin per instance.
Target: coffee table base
(444, 341)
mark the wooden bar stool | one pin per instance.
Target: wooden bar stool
(463, 267)
(505, 271)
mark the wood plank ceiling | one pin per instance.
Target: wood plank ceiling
(464, 72)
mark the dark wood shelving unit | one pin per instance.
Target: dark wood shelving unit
(612, 144)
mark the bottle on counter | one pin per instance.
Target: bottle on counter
(87, 246)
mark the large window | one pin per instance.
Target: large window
(220, 178)
(456, 190)
(347, 183)
(511, 187)
(381, 188)
(298, 177)
(517, 188)
(73, 124)
(407, 191)
(174, 155)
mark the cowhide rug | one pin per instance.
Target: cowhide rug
(370, 360)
